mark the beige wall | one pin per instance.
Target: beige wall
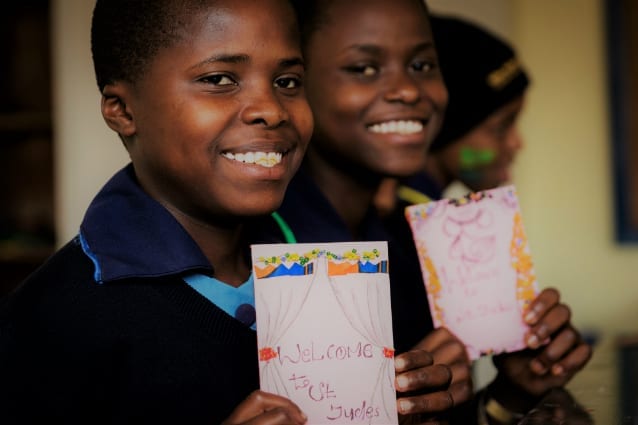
(86, 151)
(563, 174)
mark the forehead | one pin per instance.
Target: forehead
(392, 21)
(240, 20)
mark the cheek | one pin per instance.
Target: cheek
(303, 121)
(353, 102)
(438, 94)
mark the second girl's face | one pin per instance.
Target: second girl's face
(374, 86)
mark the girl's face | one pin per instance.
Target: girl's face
(220, 119)
(374, 86)
(483, 157)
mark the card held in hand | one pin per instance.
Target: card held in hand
(324, 329)
(477, 268)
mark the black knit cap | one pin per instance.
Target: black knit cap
(481, 73)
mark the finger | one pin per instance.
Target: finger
(461, 372)
(270, 406)
(547, 299)
(553, 320)
(574, 361)
(428, 403)
(559, 346)
(276, 416)
(461, 391)
(432, 377)
(450, 352)
(435, 339)
(412, 360)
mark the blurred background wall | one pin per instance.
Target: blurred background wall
(563, 175)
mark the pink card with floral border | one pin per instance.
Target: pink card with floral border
(476, 267)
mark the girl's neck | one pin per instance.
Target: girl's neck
(435, 168)
(349, 194)
(221, 244)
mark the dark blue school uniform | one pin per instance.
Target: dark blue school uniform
(107, 331)
(312, 219)
(425, 184)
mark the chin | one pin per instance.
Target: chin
(260, 207)
(403, 170)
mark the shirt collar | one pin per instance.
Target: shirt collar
(126, 233)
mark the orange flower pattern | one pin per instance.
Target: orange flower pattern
(522, 263)
(266, 354)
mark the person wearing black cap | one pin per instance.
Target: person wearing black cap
(478, 140)
(476, 145)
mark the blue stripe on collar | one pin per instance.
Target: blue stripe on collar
(236, 302)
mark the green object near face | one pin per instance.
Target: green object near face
(474, 158)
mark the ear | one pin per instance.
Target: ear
(116, 109)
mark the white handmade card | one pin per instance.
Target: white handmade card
(324, 329)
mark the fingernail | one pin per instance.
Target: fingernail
(530, 317)
(405, 406)
(402, 382)
(399, 363)
(558, 370)
(532, 341)
(537, 367)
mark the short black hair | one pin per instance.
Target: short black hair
(127, 34)
(312, 15)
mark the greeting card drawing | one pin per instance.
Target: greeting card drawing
(477, 268)
(324, 329)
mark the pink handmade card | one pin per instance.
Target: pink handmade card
(324, 329)
(477, 268)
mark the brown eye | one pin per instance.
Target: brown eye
(287, 83)
(219, 80)
(422, 66)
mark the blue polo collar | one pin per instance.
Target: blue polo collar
(126, 233)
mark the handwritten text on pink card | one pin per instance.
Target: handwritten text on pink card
(477, 268)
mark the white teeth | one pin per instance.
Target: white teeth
(400, 127)
(265, 159)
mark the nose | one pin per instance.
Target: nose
(264, 108)
(402, 87)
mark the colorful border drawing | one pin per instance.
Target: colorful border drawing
(294, 264)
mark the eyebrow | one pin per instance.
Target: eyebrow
(291, 62)
(374, 49)
(224, 58)
(243, 59)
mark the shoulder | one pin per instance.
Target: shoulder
(46, 292)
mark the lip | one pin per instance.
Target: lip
(279, 145)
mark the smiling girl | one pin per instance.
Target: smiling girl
(117, 326)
